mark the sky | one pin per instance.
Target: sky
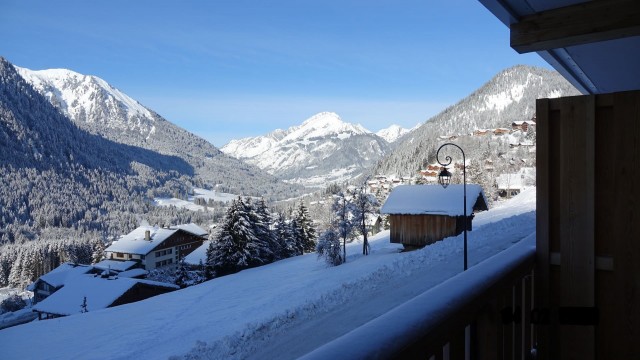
(228, 69)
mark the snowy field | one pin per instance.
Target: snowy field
(281, 310)
(198, 193)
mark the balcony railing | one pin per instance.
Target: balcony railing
(482, 313)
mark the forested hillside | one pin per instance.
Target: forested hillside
(509, 96)
(100, 109)
(61, 184)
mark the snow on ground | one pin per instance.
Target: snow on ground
(280, 310)
(198, 193)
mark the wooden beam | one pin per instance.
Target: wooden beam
(583, 23)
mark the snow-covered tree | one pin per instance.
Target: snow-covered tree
(265, 243)
(364, 204)
(329, 247)
(343, 221)
(285, 242)
(234, 247)
(306, 230)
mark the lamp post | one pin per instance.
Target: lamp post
(444, 179)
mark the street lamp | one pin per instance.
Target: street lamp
(444, 179)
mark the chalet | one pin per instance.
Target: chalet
(55, 279)
(153, 247)
(90, 292)
(423, 214)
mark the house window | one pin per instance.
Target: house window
(120, 255)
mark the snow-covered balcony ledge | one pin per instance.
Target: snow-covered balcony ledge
(432, 325)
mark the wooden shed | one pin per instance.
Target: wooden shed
(423, 214)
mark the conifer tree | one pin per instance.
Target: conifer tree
(265, 243)
(235, 245)
(182, 275)
(306, 230)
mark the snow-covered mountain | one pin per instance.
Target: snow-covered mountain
(323, 148)
(392, 133)
(101, 109)
(509, 96)
(91, 100)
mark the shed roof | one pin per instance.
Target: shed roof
(115, 265)
(100, 293)
(58, 276)
(433, 200)
(191, 228)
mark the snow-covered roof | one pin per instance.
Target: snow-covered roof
(135, 243)
(115, 265)
(192, 228)
(58, 276)
(432, 200)
(197, 255)
(100, 293)
(133, 273)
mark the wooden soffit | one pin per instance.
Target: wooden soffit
(583, 23)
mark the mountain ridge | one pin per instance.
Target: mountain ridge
(323, 148)
(101, 109)
(509, 96)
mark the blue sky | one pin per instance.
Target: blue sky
(226, 69)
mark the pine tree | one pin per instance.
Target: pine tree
(265, 243)
(306, 229)
(283, 247)
(235, 246)
(181, 275)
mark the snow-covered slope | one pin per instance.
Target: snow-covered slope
(273, 311)
(392, 133)
(89, 99)
(101, 109)
(323, 148)
(509, 96)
